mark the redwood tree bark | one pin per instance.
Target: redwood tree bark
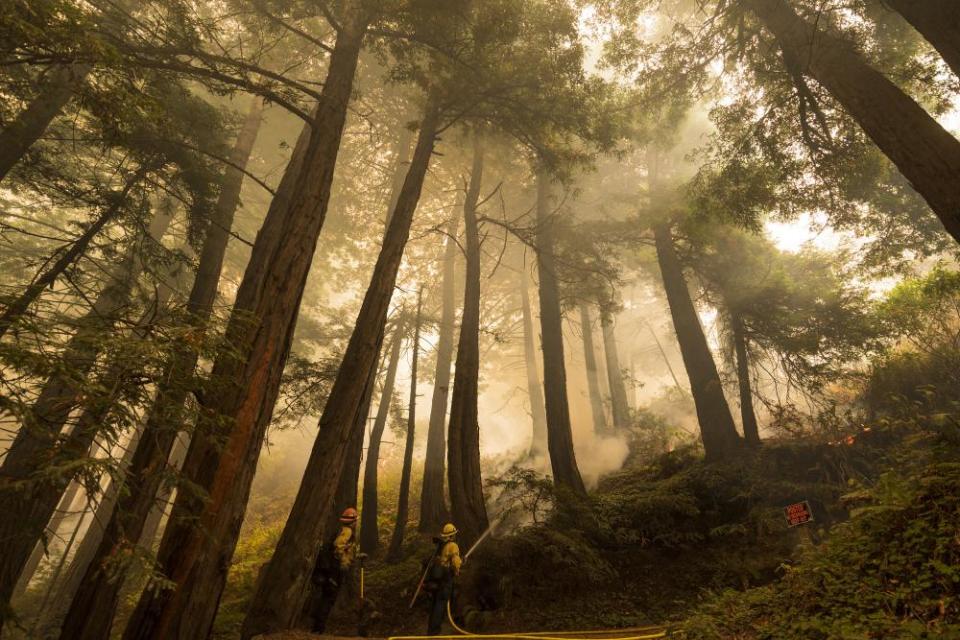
(31, 123)
(593, 379)
(37, 445)
(403, 501)
(463, 447)
(618, 391)
(433, 504)
(751, 431)
(369, 528)
(281, 592)
(938, 21)
(717, 429)
(346, 496)
(369, 525)
(538, 442)
(238, 404)
(563, 459)
(926, 154)
(93, 599)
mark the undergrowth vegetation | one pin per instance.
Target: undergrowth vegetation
(705, 547)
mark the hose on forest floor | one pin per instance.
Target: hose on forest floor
(654, 632)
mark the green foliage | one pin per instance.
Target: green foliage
(921, 317)
(802, 311)
(649, 437)
(682, 503)
(253, 551)
(890, 572)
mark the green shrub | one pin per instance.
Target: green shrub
(892, 571)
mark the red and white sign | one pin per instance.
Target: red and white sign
(799, 513)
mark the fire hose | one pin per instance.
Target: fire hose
(634, 633)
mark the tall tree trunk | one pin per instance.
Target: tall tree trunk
(369, 528)
(280, 595)
(593, 379)
(403, 501)
(346, 496)
(93, 600)
(68, 258)
(926, 154)
(89, 426)
(36, 447)
(162, 503)
(938, 21)
(751, 431)
(463, 448)
(201, 537)
(31, 123)
(41, 611)
(433, 507)
(401, 153)
(717, 429)
(63, 510)
(563, 459)
(91, 539)
(538, 443)
(369, 525)
(618, 391)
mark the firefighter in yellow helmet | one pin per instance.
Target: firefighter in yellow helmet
(345, 544)
(445, 569)
(333, 572)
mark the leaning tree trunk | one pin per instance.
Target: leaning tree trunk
(538, 443)
(163, 502)
(31, 123)
(433, 506)
(463, 448)
(403, 501)
(41, 610)
(280, 594)
(63, 510)
(36, 447)
(90, 426)
(369, 529)
(618, 391)
(237, 406)
(369, 525)
(94, 599)
(751, 431)
(346, 496)
(68, 258)
(88, 543)
(563, 459)
(717, 429)
(938, 21)
(926, 154)
(593, 378)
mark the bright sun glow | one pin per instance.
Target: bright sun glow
(807, 229)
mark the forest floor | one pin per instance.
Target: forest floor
(706, 549)
(644, 549)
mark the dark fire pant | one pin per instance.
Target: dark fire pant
(438, 606)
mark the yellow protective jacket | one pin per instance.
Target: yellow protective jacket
(345, 547)
(449, 557)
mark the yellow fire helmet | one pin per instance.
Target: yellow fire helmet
(448, 531)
